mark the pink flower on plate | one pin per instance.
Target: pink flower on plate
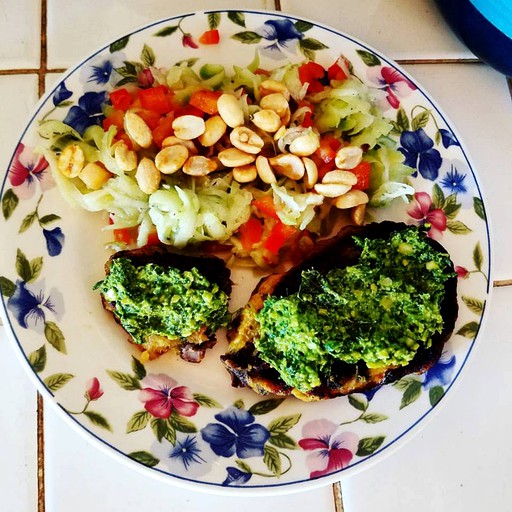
(393, 83)
(161, 395)
(421, 210)
(462, 272)
(331, 448)
(93, 389)
(188, 40)
(26, 170)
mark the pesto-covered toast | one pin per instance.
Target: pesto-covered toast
(167, 301)
(371, 305)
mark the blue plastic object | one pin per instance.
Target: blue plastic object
(485, 26)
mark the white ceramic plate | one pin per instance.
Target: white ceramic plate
(52, 255)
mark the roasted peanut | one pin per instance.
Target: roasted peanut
(94, 175)
(270, 86)
(276, 102)
(245, 173)
(230, 110)
(125, 158)
(148, 176)
(351, 199)
(71, 161)
(288, 165)
(172, 140)
(188, 127)
(266, 120)
(171, 158)
(348, 157)
(341, 177)
(234, 157)
(357, 214)
(198, 165)
(214, 129)
(137, 129)
(331, 189)
(311, 174)
(264, 170)
(246, 140)
(306, 144)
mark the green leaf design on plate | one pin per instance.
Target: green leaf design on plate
(23, 268)
(474, 305)
(125, 380)
(283, 441)
(370, 59)
(266, 406)
(303, 26)
(37, 359)
(369, 445)
(119, 44)
(411, 393)
(213, 20)
(138, 368)
(239, 404)
(54, 336)
(163, 429)
(126, 80)
(420, 120)
(457, 227)
(478, 256)
(36, 265)
(247, 37)
(57, 380)
(145, 458)
(182, 424)
(47, 219)
(438, 198)
(469, 330)
(206, 401)
(358, 402)
(451, 207)
(27, 222)
(435, 394)
(243, 466)
(7, 287)
(402, 121)
(189, 62)
(138, 421)
(272, 459)
(374, 417)
(283, 424)
(237, 17)
(166, 31)
(147, 56)
(478, 205)
(98, 419)
(9, 202)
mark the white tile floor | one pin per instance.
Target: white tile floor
(460, 461)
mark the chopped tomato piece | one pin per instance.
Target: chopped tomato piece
(210, 37)
(335, 72)
(155, 99)
(362, 171)
(261, 71)
(205, 101)
(163, 129)
(278, 236)
(251, 233)
(121, 99)
(265, 205)
(189, 110)
(312, 73)
(115, 118)
(153, 239)
(326, 153)
(150, 117)
(126, 235)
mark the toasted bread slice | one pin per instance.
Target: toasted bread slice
(192, 348)
(246, 367)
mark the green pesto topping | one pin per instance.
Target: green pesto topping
(379, 311)
(156, 300)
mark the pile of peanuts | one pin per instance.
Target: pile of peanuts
(227, 140)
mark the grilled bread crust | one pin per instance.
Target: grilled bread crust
(214, 269)
(247, 369)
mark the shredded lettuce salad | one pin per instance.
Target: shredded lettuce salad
(187, 210)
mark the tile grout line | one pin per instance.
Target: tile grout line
(41, 491)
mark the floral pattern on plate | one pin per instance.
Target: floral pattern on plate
(185, 421)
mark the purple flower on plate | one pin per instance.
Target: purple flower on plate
(88, 112)
(54, 240)
(448, 138)
(418, 149)
(394, 85)
(441, 373)
(27, 170)
(454, 182)
(61, 94)
(236, 433)
(236, 476)
(99, 73)
(331, 448)
(29, 305)
(282, 34)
